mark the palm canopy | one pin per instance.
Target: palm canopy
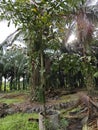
(85, 27)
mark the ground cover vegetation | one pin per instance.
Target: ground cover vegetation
(18, 121)
(49, 63)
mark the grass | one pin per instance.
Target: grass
(10, 101)
(19, 122)
(14, 97)
(68, 98)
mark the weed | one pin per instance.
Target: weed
(18, 122)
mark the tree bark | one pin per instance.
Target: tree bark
(0, 82)
(4, 84)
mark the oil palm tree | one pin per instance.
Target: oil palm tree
(18, 61)
(84, 26)
(1, 68)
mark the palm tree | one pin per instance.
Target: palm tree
(18, 61)
(6, 66)
(1, 68)
(84, 26)
(86, 22)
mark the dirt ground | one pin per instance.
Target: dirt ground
(84, 113)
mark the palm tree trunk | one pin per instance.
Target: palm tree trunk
(42, 81)
(18, 82)
(11, 82)
(23, 82)
(0, 83)
(5, 84)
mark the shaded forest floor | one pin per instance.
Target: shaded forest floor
(75, 108)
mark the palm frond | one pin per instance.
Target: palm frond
(11, 38)
(92, 13)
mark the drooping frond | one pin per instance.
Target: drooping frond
(11, 38)
(92, 13)
(84, 26)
